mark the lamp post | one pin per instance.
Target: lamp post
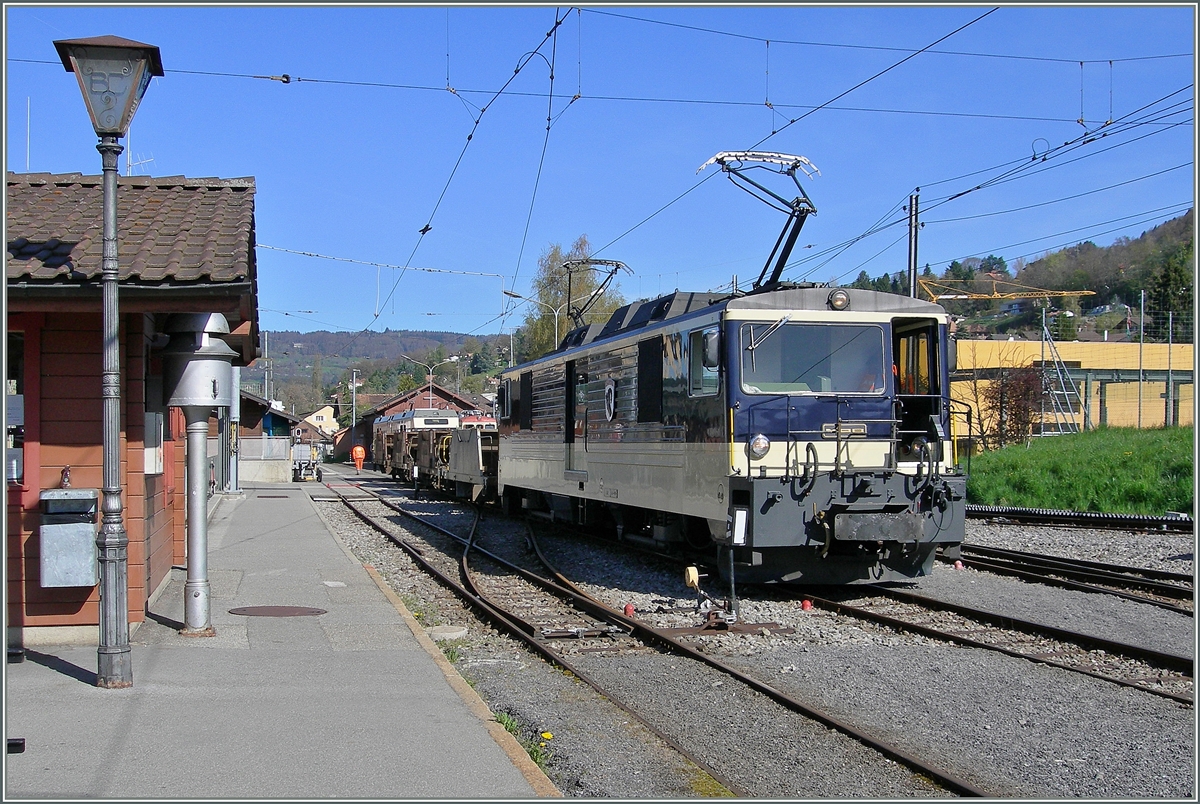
(555, 310)
(429, 368)
(113, 75)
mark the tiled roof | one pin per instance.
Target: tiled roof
(170, 229)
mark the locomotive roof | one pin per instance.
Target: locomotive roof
(816, 297)
(782, 296)
(806, 296)
(422, 412)
(638, 314)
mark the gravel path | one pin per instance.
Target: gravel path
(1013, 727)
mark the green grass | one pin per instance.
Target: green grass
(1111, 470)
(537, 746)
(453, 650)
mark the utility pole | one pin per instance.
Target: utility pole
(353, 406)
(266, 366)
(1141, 346)
(1168, 414)
(912, 244)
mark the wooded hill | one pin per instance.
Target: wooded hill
(295, 357)
(1116, 273)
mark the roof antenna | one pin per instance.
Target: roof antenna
(733, 163)
(130, 163)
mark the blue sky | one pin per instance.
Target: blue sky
(370, 145)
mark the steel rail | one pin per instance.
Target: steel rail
(1001, 568)
(518, 629)
(1145, 573)
(1168, 661)
(934, 633)
(1081, 519)
(651, 634)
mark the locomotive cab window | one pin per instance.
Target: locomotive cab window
(916, 369)
(703, 362)
(785, 358)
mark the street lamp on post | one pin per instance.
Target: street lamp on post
(113, 75)
(429, 368)
(555, 310)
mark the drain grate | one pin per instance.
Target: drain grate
(271, 497)
(277, 611)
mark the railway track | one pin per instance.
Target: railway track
(1169, 590)
(566, 627)
(1156, 672)
(1160, 673)
(1081, 519)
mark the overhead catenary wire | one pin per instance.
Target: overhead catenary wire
(470, 136)
(806, 114)
(461, 94)
(541, 161)
(878, 228)
(1035, 155)
(1023, 167)
(806, 43)
(579, 15)
(1139, 217)
(1120, 126)
(1059, 200)
(879, 74)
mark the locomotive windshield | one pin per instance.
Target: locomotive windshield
(783, 357)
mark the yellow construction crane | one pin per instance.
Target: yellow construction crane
(959, 289)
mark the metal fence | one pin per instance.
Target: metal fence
(265, 448)
(1122, 368)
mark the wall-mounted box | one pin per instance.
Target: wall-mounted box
(68, 537)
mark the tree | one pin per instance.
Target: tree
(957, 270)
(1064, 326)
(299, 396)
(484, 360)
(318, 384)
(992, 264)
(1011, 399)
(551, 287)
(1172, 292)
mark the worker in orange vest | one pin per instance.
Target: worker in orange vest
(359, 454)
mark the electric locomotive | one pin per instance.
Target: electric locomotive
(802, 432)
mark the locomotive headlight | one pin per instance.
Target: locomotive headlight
(839, 299)
(758, 446)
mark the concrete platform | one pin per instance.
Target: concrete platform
(357, 702)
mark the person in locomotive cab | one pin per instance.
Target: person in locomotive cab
(871, 379)
(359, 454)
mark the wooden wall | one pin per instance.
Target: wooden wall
(64, 363)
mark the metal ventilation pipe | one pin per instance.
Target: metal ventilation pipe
(197, 377)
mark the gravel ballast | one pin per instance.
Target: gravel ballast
(1012, 727)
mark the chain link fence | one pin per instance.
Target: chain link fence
(1118, 367)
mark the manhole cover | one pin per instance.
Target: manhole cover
(277, 611)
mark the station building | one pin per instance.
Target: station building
(184, 246)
